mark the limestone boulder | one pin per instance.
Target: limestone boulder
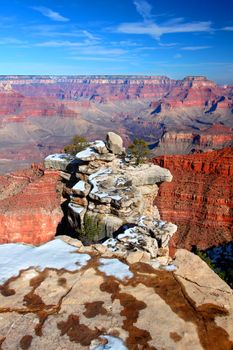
(148, 174)
(61, 161)
(114, 143)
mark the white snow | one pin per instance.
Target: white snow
(114, 267)
(169, 267)
(76, 208)
(56, 254)
(99, 143)
(116, 197)
(93, 181)
(61, 157)
(141, 221)
(120, 181)
(110, 243)
(129, 233)
(88, 152)
(114, 343)
(80, 186)
(100, 172)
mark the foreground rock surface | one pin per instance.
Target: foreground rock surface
(101, 300)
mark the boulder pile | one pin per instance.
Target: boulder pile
(105, 188)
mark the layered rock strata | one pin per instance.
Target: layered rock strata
(185, 110)
(29, 206)
(117, 196)
(200, 197)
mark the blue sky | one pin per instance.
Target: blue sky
(155, 37)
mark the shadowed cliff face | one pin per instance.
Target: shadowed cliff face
(43, 113)
(200, 197)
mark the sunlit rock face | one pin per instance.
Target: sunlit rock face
(199, 199)
(29, 206)
(57, 296)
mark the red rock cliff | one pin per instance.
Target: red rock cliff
(29, 207)
(200, 197)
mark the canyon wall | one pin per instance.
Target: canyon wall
(200, 197)
(29, 206)
(42, 113)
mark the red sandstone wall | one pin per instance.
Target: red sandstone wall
(200, 197)
(29, 207)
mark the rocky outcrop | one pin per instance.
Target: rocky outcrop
(199, 199)
(60, 297)
(107, 191)
(29, 206)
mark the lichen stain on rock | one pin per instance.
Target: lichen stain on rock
(131, 307)
(165, 284)
(25, 342)
(95, 308)
(43, 315)
(175, 336)
(61, 282)
(78, 332)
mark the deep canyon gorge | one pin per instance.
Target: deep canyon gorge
(39, 114)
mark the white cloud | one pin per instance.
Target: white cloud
(178, 55)
(229, 28)
(98, 59)
(54, 16)
(12, 41)
(167, 44)
(157, 30)
(196, 48)
(59, 43)
(143, 8)
(149, 27)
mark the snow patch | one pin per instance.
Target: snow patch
(56, 254)
(114, 267)
(114, 343)
(61, 157)
(76, 208)
(169, 268)
(80, 186)
(88, 152)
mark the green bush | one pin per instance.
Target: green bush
(78, 144)
(139, 149)
(90, 230)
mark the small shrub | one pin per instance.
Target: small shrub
(78, 144)
(139, 149)
(90, 230)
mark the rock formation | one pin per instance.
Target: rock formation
(60, 297)
(179, 115)
(108, 189)
(29, 206)
(200, 197)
